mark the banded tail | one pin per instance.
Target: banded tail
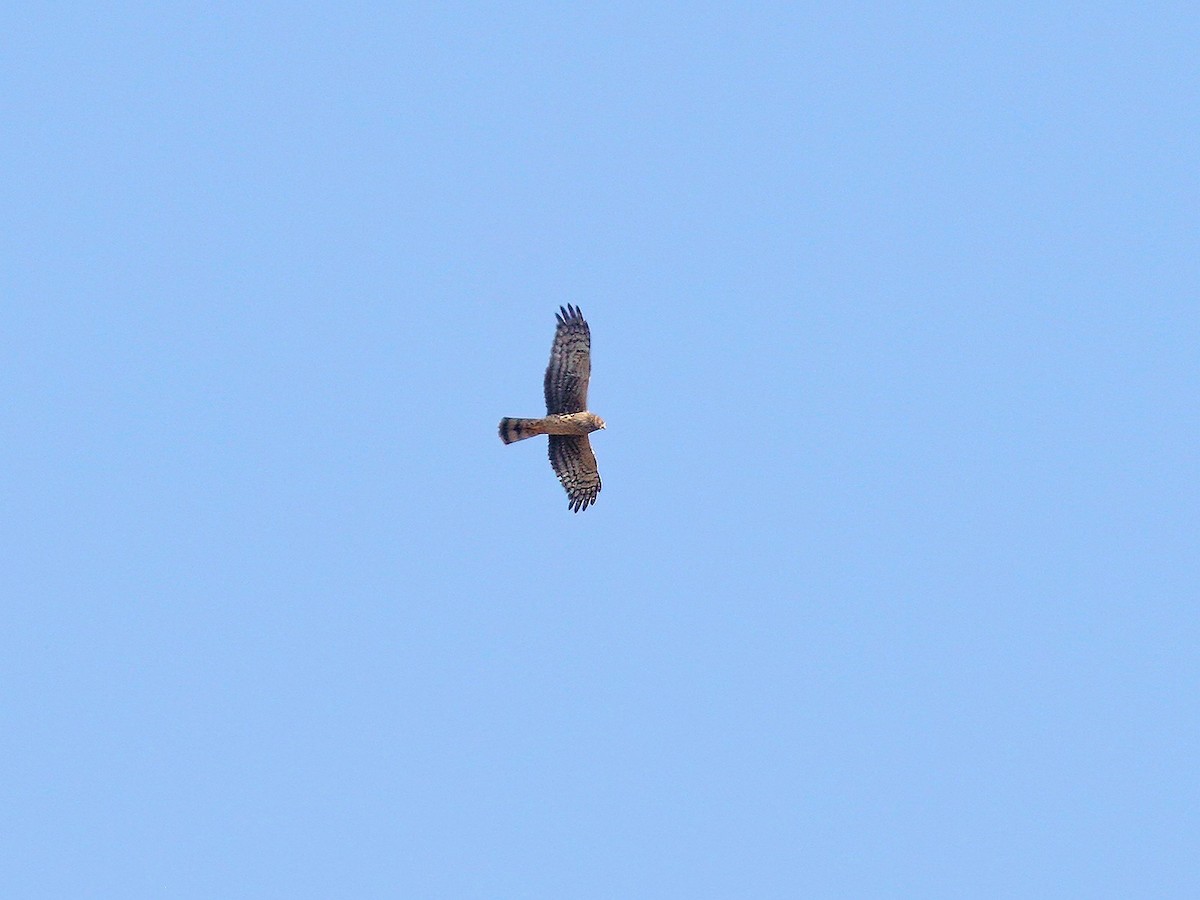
(519, 429)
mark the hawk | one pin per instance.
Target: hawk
(567, 420)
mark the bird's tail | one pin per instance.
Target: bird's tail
(519, 429)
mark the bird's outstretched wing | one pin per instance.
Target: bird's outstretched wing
(570, 364)
(575, 465)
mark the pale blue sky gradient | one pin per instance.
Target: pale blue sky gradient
(892, 587)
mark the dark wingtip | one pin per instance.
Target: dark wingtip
(578, 504)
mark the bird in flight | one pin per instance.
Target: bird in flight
(567, 419)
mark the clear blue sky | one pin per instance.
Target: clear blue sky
(892, 587)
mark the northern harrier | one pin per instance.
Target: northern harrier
(567, 420)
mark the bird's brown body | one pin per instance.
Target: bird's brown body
(570, 423)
